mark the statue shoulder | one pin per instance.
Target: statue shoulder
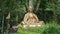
(34, 14)
(27, 14)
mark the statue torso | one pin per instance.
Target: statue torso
(31, 18)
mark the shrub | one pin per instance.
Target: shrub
(50, 28)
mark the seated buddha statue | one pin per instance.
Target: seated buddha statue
(31, 19)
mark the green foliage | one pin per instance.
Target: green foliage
(50, 28)
(19, 8)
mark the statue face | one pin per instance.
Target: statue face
(30, 9)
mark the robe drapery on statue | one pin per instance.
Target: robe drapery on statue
(31, 20)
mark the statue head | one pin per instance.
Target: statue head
(30, 9)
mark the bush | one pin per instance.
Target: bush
(47, 29)
(51, 29)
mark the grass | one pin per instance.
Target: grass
(50, 28)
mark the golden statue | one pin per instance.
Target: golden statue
(31, 20)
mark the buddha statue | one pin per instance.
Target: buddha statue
(31, 19)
